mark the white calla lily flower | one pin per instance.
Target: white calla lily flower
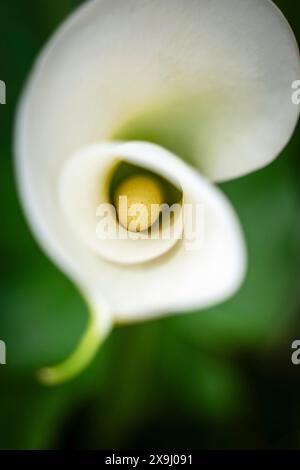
(191, 92)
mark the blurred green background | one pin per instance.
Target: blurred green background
(220, 378)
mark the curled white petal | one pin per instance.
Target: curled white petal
(206, 267)
(83, 194)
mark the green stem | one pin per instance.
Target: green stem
(78, 360)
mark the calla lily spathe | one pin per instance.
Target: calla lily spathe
(208, 80)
